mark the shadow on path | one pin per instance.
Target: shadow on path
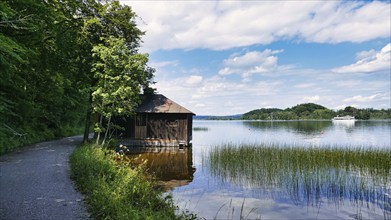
(35, 183)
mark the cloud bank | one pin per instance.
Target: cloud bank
(219, 25)
(369, 61)
(251, 62)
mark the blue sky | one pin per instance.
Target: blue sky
(230, 57)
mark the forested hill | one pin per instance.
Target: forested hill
(314, 111)
(61, 62)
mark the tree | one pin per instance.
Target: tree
(106, 22)
(120, 77)
(322, 114)
(54, 56)
(40, 87)
(305, 110)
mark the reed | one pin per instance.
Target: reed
(306, 174)
(200, 129)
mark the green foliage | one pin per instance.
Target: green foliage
(260, 114)
(114, 190)
(117, 71)
(366, 114)
(200, 128)
(48, 71)
(40, 91)
(306, 109)
(314, 111)
(119, 77)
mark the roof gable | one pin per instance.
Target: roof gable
(157, 103)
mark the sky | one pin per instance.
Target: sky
(231, 57)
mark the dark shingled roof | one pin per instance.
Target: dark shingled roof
(157, 103)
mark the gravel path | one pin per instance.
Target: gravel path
(35, 183)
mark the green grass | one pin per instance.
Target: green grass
(12, 140)
(306, 174)
(200, 129)
(113, 190)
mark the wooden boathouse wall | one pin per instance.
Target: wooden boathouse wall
(161, 126)
(167, 127)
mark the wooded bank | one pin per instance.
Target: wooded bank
(61, 62)
(314, 111)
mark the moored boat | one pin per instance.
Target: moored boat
(347, 117)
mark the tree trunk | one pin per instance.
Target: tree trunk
(107, 131)
(88, 121)
(100, 124)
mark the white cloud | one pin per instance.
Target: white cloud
(369, 62)
(311, 98)
(250, 63)
(353, 21)
(343, 106)
(221, 25)
(365, 54)
(339, 107)
(360, 98)
(219, 95)
(222, 95)
(163, 64)
(193, 80)
(216, 95)
(219, 87)
(200, 105)
(305, 85)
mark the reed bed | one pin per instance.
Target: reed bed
(307, 174)
(200, 129)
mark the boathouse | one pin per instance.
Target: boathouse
(158, 121)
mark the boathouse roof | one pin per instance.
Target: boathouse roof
(158, 103)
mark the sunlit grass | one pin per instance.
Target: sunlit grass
(115, 191)
(306, 174)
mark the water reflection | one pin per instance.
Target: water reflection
(344, 123)
(172, 167)
(308, 176)
(324, 187)
(347, 125)
(302, 127)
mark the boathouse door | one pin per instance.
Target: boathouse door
(141, 126)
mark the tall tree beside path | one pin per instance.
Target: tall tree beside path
(40, 88)
(46, 64)
(120, 75)
(112, 33)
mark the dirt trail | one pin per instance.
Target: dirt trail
(35, 183)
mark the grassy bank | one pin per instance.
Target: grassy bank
(115, 191)
(12, 138)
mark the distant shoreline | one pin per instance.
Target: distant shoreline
(260, 120)
(307, 111)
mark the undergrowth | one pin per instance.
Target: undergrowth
(114, 190)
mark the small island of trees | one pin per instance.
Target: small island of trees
(314, 111)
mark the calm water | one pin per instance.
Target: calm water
(215, 192)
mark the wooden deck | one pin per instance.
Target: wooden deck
(154, 143)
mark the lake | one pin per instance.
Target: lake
(281, 170)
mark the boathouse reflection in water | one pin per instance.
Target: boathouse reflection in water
(171, 166)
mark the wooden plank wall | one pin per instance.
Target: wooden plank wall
(165, 127)
(140, 126)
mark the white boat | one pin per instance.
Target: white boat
(344, 118)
